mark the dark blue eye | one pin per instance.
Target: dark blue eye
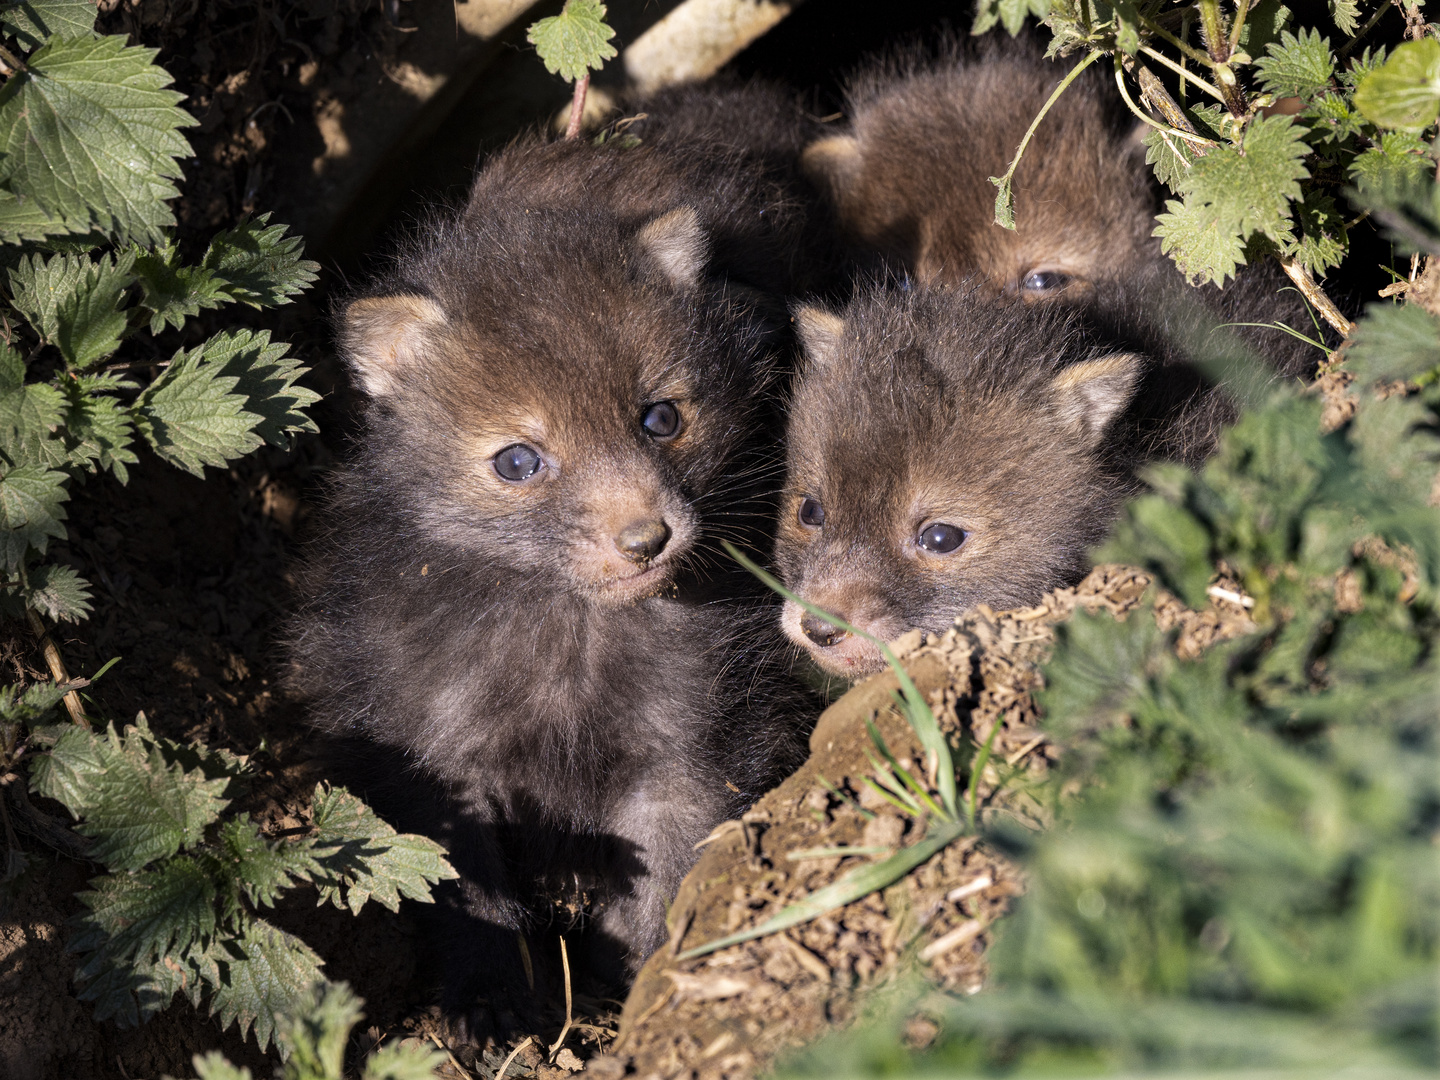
(811, 512)
(941, 538)
(518, 462)
(1045, 281)
(661, 420)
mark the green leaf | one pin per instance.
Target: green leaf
(315, 1034)
(270, 977)
(1263, 25)
(192, 417)
(72, 301)
(98, 431)
(214, 1066)
(1393, 341)
(1346, 14)
(266, 381)
(259, 265)
(1298, 66)
(33, 21)
(30, 511)
(1230, 195)
(396, 1061)
(262, 869)
(1011, 12)
(89, 132)
(1168, 156)
(1322, 242)
(172, 292)
(33, 704)
(1398, 160)
(575, 41)
(366, 858)
(22, 219)
(30, 415)
(135, 805)
(57, 591)
(143, 916)
(1404, 92)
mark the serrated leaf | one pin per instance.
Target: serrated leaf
(1404, 92)
(192, 417)
(173, 292)
(1346, 14)
(1263, 25)
(1393, 341)
(89, 132)
(261, 869)
(1398, 159)
(266, 381)
(72, 301)
(396, 1061)
(57, 591)
(315, 1034)
(30, 415)
(135, 805)
(258, 264)
(366, 858)
(575, 41)
(1297, 66)
(1168, 156)
(1009, 12)
(1322, 241)
(33, 21)
(143, 917)
(98, 431)
(214, 1066)
(30, 705)
(1203, 247)
(31, 510)
(23, 219)
(270, 978)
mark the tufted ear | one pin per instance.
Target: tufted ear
(381, 335)
(675, 243)
(834, 164)
(1089, 396)
(821, 333)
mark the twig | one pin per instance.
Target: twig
(960, 892)
(466, 1073)
(10, 62)
(1189, 137)
(1019, 755)
(41, 826)
(500, 1073)
(1187, 50)
(1237, 24)
(577, 106)
(1221, 593)
(1183, 73)
(1316, 296)
(559, 1042)
(1344, 50)
(57, 667)
(967, 931)
(525, 959)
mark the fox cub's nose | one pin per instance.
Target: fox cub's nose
(821, 632)
(641, 541)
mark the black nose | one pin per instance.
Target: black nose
(821, 632)
(641, 541)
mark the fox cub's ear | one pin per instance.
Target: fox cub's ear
(821, 334)
(834, 164)
(675, 244)
(1089, 396)
(382, 335)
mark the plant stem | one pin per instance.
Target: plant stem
(1312, 292)
(57, 667)
(1242, 9)
(10, 62)
(1007, 217)
(577, 106)
(1189, 76)
(1344, 50)
(1188, 136)
(1188, 50)
(1212, 31)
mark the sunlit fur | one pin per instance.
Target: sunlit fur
(556, 713)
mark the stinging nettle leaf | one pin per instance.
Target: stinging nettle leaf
(1397, 161)
(266, 381)
(57, 591)
(30, 511)
(575, 41)
(173, 292)
(270, 978)
(1393, 341)
(1298, 66)
(72, 301)
(258, 264)
(192, 417)
(1346, 14)
(33, 21)
(98, 431)
(144, 916)
(1404, 92)
(90, 134)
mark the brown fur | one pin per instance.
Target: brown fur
(911, 174)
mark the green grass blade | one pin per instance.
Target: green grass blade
(862, 881)
(981, 760)
(917, 711)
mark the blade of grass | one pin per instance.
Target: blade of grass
(861, 881)
(981, 760)
(917, 712)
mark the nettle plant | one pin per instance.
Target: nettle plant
(90, 143)
(1272, 123)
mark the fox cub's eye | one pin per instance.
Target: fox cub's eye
(661, 420)
(518, 462)
(811, 512)
(1045, 281)
(941, 538)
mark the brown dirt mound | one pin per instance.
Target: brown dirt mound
(730, 1013)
